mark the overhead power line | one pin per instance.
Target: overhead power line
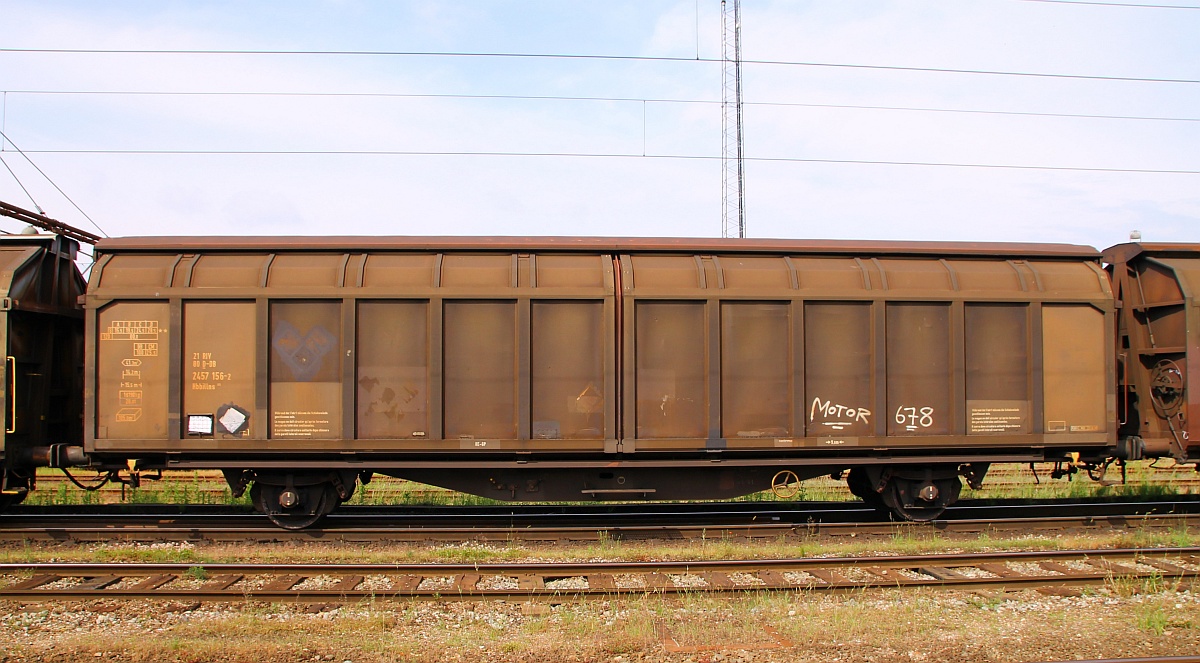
(20, 183)
(1114, 4)
(585, 56)
(639, 100)
(603, 155)
(52, 183)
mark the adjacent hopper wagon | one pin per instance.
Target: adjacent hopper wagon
(41, 331)
(1159, 346)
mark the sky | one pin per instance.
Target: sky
(964, 120)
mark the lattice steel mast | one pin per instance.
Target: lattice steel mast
(733, 173)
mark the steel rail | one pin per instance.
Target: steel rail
(568, 568)
(208, 528)
(528, 581)
(796, 511)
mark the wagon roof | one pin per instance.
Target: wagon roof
(594, 244)
(1128, 251)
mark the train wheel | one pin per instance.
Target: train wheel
(16, 489)
(12, 499)
(860, 486)
(921, 499)
(294, 507)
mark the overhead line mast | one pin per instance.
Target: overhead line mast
(733, 168)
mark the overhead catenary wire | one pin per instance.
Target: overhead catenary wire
(22, 185)
(1126, 5)
(643, 101)
(590, 56)
(52, 183)
(607, 155)
(614, 99)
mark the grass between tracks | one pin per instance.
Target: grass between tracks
(717, 548)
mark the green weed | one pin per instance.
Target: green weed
(1153, 619)
(196, 573)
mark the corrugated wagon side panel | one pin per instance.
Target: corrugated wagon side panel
(219, 367)
(133, 366)
(1075, 354)
(756, 371)
(919, 381)
(306, 382)
(480, 370)
(393, 369)
(998, 370)
(672, 370)
(839, 349)
(568, 374)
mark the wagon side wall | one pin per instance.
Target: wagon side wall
(324, 355)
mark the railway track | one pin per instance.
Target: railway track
(540, 523)
(351, 583)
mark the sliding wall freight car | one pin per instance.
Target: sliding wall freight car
(568, 369)
(593, 368)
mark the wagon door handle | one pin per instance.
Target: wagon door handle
(10, 366)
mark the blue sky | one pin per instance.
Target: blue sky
(803, 123)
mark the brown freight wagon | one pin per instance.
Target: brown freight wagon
(41, 331)
(1158, 346)
(593, 368)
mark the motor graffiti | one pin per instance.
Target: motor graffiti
(836, 415)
